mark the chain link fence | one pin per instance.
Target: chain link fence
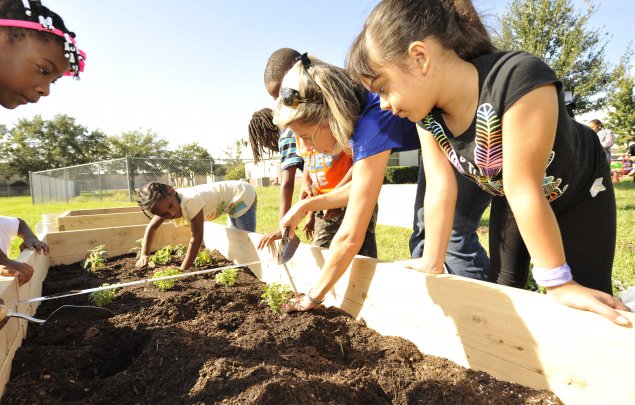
(118, 179)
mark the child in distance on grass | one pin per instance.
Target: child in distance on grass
(195, 205)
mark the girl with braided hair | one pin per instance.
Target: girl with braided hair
(36, 49)
(500, 120)
(195, 205)
(263, 133)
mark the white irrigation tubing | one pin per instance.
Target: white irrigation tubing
(137, 282)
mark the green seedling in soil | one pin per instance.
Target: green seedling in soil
(165, 285)
(180, 250)
(162, 256)
(96, 259)
(102, 298)
(203, 258)
(274, 295)
(137, 249)
(226, 277)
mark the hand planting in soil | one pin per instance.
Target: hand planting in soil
(102, 298)
(274, 295)
(203, 258)
(165, 285)
(96, 259)
(226, 277)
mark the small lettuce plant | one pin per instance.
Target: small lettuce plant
(227, 277)
(274, 295)
(179, 250)
(96, 258)
(162, 256)
(165, 285)
(102, 298)
(137, 248)
(203, 258)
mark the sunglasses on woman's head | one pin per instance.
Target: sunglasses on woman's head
(292, 98)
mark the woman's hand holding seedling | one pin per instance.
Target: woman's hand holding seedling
(303, 303)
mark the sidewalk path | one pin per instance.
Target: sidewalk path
(396, 205)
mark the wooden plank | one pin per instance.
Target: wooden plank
(5, 370)
(78, 222)
(8, 333)
(93, 211)
(512, 334)
(72, 246)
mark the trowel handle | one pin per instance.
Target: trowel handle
(4, 310)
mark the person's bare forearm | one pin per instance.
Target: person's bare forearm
(4, 259)
(337, 198)
(287, 185)
(346, 179)
(148, 236)
(192, 251)
(24, 231)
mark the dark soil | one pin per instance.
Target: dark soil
(206, 343)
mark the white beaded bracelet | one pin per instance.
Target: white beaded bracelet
(552, 277)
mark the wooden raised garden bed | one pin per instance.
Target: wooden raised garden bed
(514, 335)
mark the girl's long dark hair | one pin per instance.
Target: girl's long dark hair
(394, 24)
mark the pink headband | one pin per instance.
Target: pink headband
(75, 56)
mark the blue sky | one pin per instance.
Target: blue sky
(192, 70)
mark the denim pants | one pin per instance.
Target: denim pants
(465, 255)
(245, 222)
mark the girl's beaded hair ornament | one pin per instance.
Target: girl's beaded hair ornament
(75, 56)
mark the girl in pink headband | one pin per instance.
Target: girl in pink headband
(36, 49)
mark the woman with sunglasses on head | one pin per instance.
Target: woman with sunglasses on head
(499, 119)
(329, 112)
(321, 172)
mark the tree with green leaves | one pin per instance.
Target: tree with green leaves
(137, 147)
(38, 144)
(190, 160)
(138, 144)
(621, 102)
(554, 31)
(234, 164)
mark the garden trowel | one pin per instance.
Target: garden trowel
(288, 246)
(66, 312)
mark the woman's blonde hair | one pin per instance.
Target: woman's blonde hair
(335, 98)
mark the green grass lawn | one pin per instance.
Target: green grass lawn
(392, 241)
